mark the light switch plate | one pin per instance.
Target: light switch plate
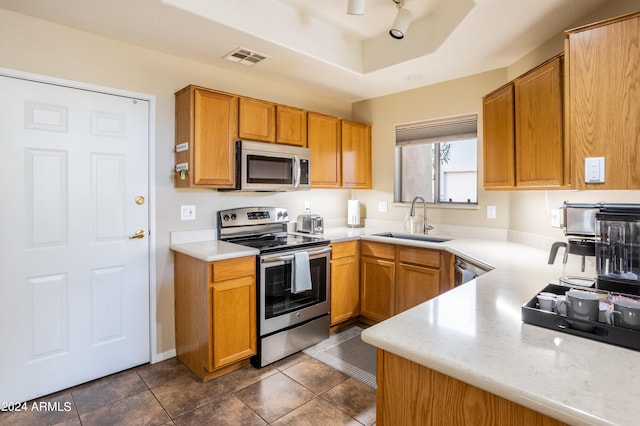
(594, 169)
(382, 206)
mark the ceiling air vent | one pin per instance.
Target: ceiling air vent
(245, 56)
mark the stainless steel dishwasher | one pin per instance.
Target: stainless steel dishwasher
(465, 270)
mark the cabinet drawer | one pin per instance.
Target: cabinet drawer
(345, 249)
(379, 250)
(233, 268)
(424, 257)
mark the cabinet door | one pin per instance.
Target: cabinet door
(323, 138)
(234, 317)
(498, 141)
(208, 121)
(539, 132)
(604, 119)
(345, 289)
(257, 120)
(356, 155)
(232, 311)
(378, 292)
(415, 284)
(291, 125)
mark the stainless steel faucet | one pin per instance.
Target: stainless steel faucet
(412, 213)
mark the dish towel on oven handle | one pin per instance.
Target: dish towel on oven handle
(301, 273)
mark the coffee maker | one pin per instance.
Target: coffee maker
(578, 222)
(618, 248)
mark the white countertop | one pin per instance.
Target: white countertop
(213, 250)
(475, 334)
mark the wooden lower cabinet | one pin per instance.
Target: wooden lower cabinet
(378, 288)
(418, 276)
(378, 278)
(345, 281)
(416, 284)
(215, 314)
(411, 394)
(396, 278)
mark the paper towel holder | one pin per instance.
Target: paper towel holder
(353, 213)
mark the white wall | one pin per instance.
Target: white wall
(520, 211)
(41, 47)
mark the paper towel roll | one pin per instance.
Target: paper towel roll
(353, 213)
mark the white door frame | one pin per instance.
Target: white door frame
(153, 352)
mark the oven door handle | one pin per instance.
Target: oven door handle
(290, 256)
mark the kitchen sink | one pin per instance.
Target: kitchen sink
(415, 237)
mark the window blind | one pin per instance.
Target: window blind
(440, 130)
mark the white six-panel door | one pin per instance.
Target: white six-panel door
(74, 287)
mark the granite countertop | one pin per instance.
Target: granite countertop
(475, 334)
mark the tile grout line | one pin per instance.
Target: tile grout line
(156, 398)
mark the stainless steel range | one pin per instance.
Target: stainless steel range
(293, 280)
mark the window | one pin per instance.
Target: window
(438, 160)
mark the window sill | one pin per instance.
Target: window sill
(446, 206)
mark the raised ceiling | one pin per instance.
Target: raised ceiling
(315, 44)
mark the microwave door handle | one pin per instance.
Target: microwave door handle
(298, 171)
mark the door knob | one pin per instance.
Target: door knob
(139, 234)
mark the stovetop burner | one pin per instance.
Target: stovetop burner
(280, 242)
(263, 228)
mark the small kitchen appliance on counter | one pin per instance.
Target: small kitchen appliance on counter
(578, 223)
(618, 248)
(310, 224)
(293, 277)
(611, 233)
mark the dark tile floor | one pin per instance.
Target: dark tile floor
(297, 390)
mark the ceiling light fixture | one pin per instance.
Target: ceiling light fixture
(355, 7)
(403, 19)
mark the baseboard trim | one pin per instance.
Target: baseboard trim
(159, 357)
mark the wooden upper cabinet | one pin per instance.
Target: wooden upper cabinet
(356, 155)
(538, 125)
(499, 138)
(603, 62)
(257, 120)
(324, 140)
(523, 144)
(291, 125)
(208, 122)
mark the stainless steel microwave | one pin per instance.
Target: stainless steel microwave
(262, 166)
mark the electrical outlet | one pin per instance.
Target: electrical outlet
(188, 212)
(307, 207)
(491, 212)
(382, 206)
(555, 218)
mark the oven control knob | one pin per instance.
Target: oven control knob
(233, 216)
(225, 217)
